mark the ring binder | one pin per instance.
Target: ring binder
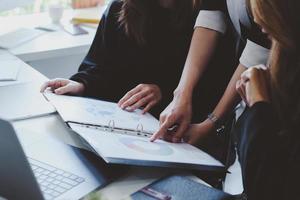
(103, 116)
(106, 126)
(111, 125)
(140, 128)
(112, 129)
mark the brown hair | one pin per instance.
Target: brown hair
(280, 19)
(135, 16)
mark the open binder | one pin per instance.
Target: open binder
(102, 115)
(122, 137)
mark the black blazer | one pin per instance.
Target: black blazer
(116, 64)
(270, 160)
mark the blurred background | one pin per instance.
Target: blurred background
(42, 6)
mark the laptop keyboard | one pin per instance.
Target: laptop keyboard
(53, 181)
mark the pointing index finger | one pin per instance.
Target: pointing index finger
(162, 131)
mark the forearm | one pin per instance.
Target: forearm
(202, 48)
(231, 97)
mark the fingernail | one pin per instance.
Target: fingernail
(128, 108)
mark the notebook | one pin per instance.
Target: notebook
(122, 137)
(23, 101)
(177, 188)
(9, 69)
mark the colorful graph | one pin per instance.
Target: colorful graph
(112, 111)
(100, 109)
(146, 147)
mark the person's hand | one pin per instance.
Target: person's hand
(174, 121)
(86, 3)
(64, 86)
(254, 85)
(143, 95)
(196, 132)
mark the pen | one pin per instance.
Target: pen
(155, 194)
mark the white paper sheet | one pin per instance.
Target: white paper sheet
(119, 148)
(96, 112)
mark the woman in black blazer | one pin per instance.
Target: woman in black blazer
(139, 52)
(269, 130)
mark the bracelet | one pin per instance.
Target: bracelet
(213, 118)
(217, 122)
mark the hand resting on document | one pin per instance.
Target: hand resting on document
(143, 96)
(64, 86)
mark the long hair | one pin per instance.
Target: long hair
(281, 20)
(135, 16)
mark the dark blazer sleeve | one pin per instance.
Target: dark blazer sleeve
(262, 153)
(98, 70)
(214, 5)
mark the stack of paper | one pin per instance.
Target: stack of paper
(9, 69)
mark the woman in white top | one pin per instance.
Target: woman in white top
(252, 49)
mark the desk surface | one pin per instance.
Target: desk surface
(26, 73)
(51, 44)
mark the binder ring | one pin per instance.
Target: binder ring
(140, 128)
(111, 125)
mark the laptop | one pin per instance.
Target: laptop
(48, 168)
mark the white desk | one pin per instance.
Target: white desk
(51, 44)
(55, 54)
(26, 73)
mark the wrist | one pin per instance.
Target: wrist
(184, 95)
(209, 124)
(81, 89)
(216, 123)
(259, 98)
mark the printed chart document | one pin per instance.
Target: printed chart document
(101, 113)
(24, 102)
(121, 137)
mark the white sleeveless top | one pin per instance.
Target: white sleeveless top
(253, 54)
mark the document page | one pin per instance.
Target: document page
(102, 113)
(124, 149)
